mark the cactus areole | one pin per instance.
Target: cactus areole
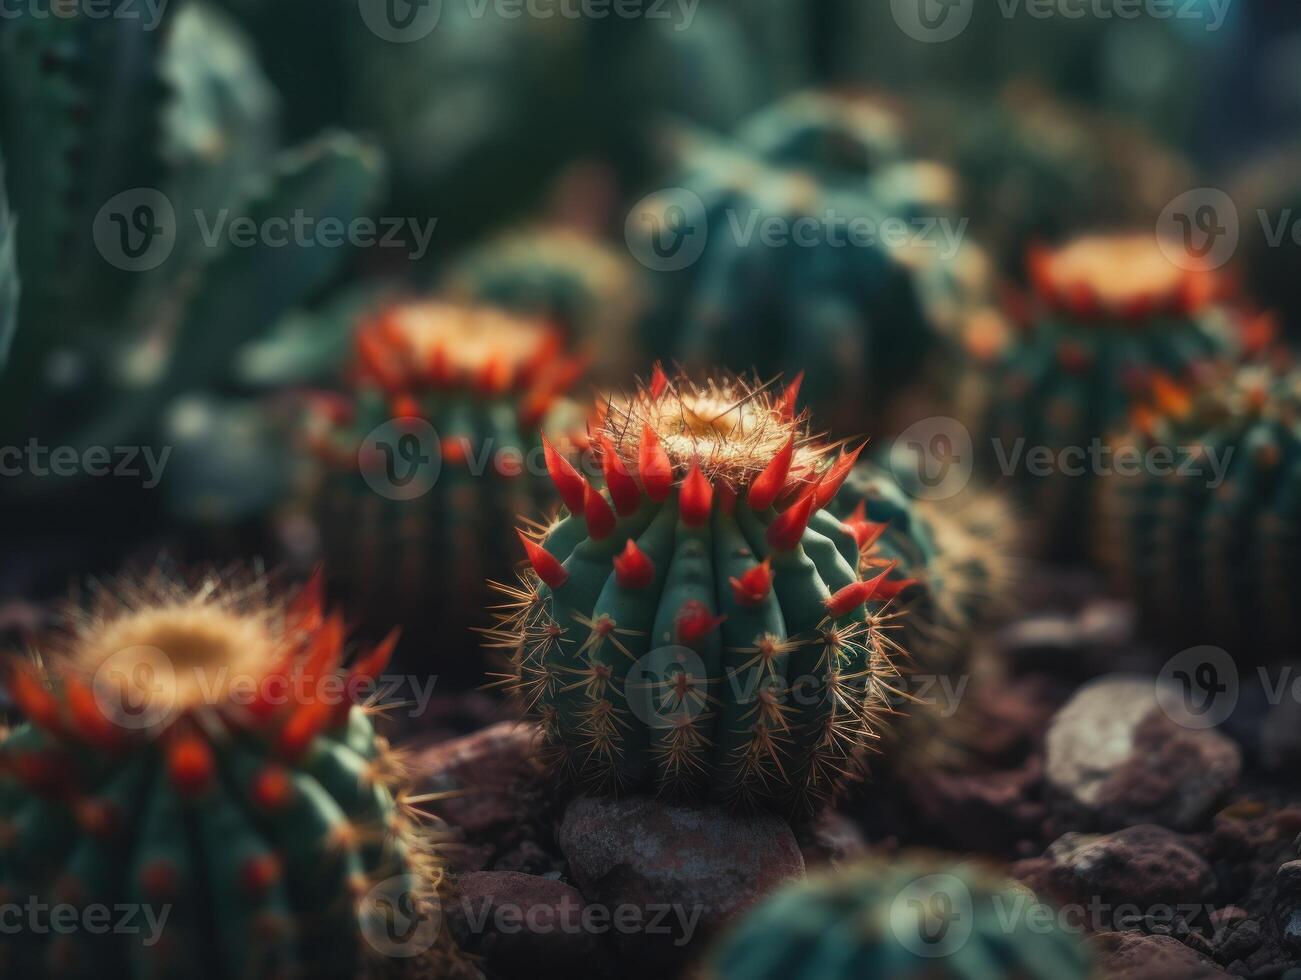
(202, 754)
(699, 625)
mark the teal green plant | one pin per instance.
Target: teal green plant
(239, 798)
(1113, 317)
(476, 387)
(910, 918)
(700, 627)
(1205, 533)
(174, 124)
(955, 557)
(851, 307)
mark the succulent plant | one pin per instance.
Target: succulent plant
(912, 918)
(1038, 170)
(700, 626)
(580, 285)
(1112, 316)
(954, 556)
(1201, 524)
(846, 306)
(202, 753)
(111, 126)
(431, 454)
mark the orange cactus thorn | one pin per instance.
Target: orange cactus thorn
(785, 532)
(190, 765)
(569, 482)
(633, 569)
(855, 594)
(596, 510)
(753, 588)
(791, 396)
(866, 533)
(259, 874)
(659, 382)
(544, 562)
(834, 478)
(623, 488)
(768, 484)
(697, 498)
(656, 470)
(272, 788)
(87, 717)
(695, 621)
(308, 720)
(495, 375)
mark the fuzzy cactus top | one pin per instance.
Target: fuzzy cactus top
(208, 751)
(700, 626)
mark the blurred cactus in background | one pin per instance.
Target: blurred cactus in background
(913, 918)
(832, 295)
(958, 555)
(703, 627)
(582, 287)
(129, 148)
(429, 456)
(1038, 171)
(1205, 531)
(9, 287)
(1113, 319)
(201, 754)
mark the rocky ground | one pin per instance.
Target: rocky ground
(1175, 844)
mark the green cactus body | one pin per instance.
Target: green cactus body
(955, 561)
(700, 627)
(9, 285)
(830, 293)
(573, 281)
(917, 918)
(1202, 525)
(1115, 319)
(200, 755)
(475, 387)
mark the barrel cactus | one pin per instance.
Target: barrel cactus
(201, 754)
(795, 246)
(580, 285)
(700, 625)
(1111, 315)
(130, 150)
(953, 560)
(914, 918)
(430, 455)
(1202, 523)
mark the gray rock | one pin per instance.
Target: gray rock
(1115, 759)
(674, 873)
(481, 773)
(1144, 870)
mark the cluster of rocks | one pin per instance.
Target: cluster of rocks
(1143, 830)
